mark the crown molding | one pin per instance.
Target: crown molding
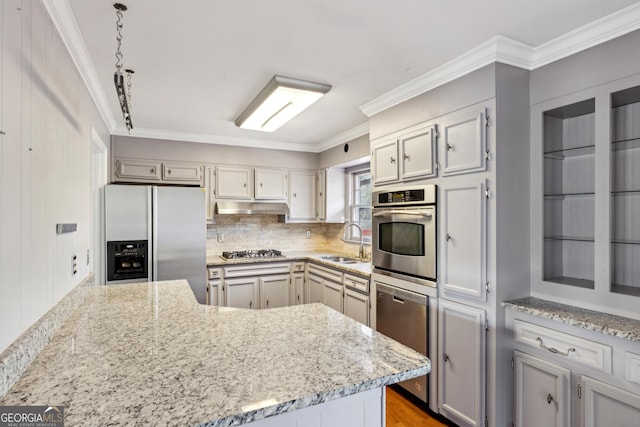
(347, 136)
(62, 16)
(592, 34)
(203, 138)
(508, 51)
(498, 48)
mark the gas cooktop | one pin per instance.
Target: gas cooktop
(256, 253)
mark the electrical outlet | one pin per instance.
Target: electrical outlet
(220, 237)
(74, 265)
(308, 234)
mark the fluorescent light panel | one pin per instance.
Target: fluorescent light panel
(282, 99)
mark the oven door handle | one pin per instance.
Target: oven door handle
(401, 212)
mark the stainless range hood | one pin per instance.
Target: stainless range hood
(232, 207)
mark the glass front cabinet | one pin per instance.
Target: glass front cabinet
(585, 202)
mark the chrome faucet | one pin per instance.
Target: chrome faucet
(353, 224)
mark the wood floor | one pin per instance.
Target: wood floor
(403, 413)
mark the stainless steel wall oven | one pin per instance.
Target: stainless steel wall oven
(404, 231)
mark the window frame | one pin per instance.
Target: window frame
(351, 235)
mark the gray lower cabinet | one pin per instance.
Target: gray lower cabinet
(274, 291)
(242, 292)
(461, 368)
(570, 376)
(606, 405)
(541, 393)
(344, 292)
(356, 306)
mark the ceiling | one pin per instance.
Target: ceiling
(198, 63)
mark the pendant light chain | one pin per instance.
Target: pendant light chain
(124, 93)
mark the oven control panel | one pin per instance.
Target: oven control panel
(419, 195)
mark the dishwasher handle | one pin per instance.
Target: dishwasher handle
(400, 295)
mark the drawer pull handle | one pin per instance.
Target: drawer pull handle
(555, 350)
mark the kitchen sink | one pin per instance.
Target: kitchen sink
(340, 259)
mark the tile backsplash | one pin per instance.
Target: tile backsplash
(241, 232)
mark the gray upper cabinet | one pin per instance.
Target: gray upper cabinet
(406, 155)
(463, 240)
(138, 170)
(302, 196)
(271, 184)
(331, 198)
(156, 171)
(384, 161)
(234, 182)
(463, 140)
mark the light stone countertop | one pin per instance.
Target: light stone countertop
(149, 354)
(608, 324)
(360, 268)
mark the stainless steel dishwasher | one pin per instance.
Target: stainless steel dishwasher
(403, 316)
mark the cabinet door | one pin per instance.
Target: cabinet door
(384, 159)
(356, 306)
(315, 287)
(332, 295)
(242, 292)
(605, 405)
(209, 204)
(541, 393)
(417, 154)
(321, 186)
(138, 170)
(233, 182)
(182, 173)
(271, 184)
(297, 289)
(214, 292)
(462, 240)
(302, 196)
(461, 371)
(274, 291)
(463, 140)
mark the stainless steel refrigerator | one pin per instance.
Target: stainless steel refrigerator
(156, 233)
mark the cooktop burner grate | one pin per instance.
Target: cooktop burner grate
(256, 253)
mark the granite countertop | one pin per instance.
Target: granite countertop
(148, 354)
(608, 324)
(361, 268)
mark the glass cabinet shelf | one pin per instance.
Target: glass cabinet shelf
(573, 238)
(625, 242)
(585, 150)
(563, 195)
(625, 144)
(571, 281)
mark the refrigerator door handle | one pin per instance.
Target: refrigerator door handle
(153, 225)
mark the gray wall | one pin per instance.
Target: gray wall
(45, 166)
(160, 149)
(613, 60)
(470, 89)
(358, 150)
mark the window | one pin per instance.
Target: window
(360, 204)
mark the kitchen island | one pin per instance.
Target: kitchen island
(149, 354)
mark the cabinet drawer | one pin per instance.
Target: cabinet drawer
(297, 267)
(182, 172)
(578, 350)
(356, 282)
(260, 269)
(214, 273)
(326, 273)
(138, 169)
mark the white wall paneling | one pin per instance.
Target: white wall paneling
(45, 166)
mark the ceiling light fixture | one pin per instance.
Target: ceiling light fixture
(124, 94)
(282, 99)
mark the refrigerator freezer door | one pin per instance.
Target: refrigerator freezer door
(180, 234)
(127, 212)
